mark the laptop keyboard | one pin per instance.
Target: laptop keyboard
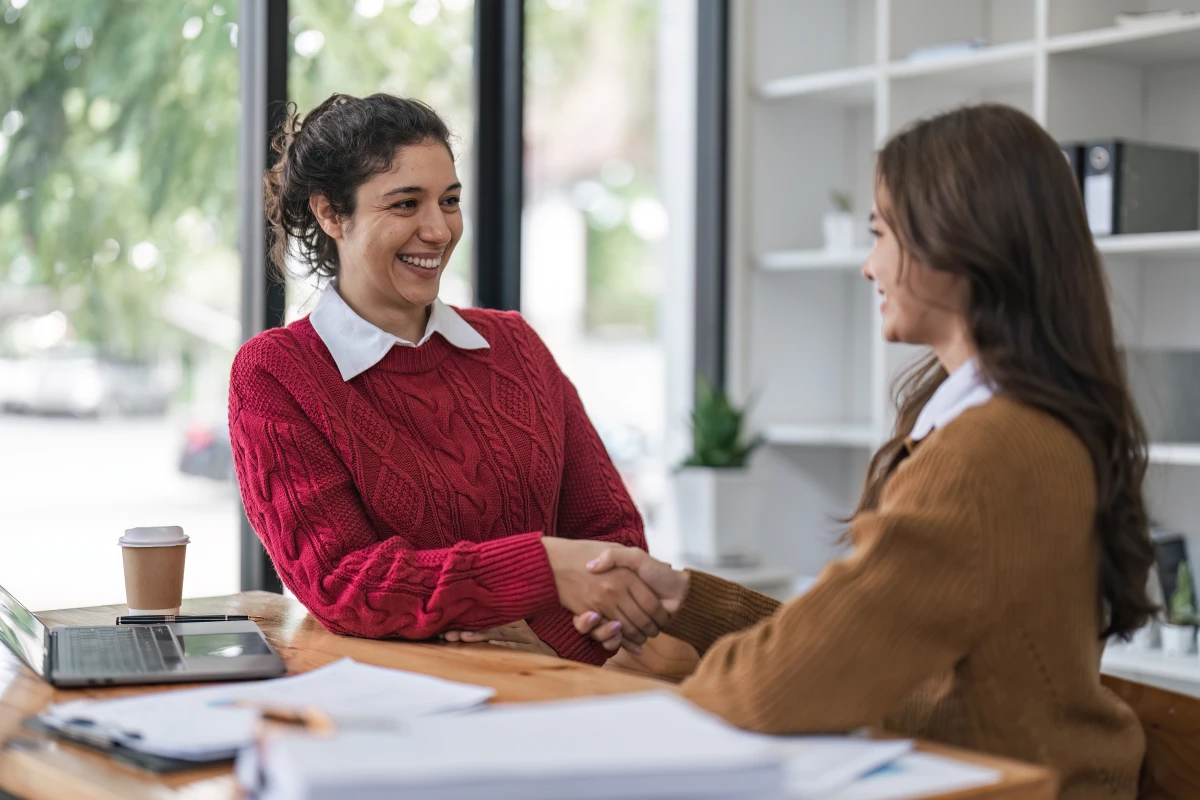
(123, 650)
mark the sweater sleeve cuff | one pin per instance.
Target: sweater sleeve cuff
(581, 648)
(520, 581)
(713, 608)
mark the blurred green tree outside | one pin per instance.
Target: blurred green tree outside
(117, 157)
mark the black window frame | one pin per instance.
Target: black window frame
(263, 60)
(712, 191)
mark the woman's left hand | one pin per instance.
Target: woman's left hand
(515, 635)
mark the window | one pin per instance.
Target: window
(593, 222)
(120, 276)
(119, 289)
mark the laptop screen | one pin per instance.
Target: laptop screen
(22, 632)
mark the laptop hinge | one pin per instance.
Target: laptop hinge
(48, 659)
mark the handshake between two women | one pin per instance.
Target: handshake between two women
(620, 596)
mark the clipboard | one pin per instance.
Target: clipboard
(118, 752)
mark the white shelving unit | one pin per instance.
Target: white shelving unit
(848, 435)
(1179, 674)
(996, 65)
(1179, 455)
(1144, 43)
(849, 86)
(786, 260)
(1164, 246)
(1133, 246)
(817, 87)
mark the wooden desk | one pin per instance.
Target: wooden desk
(37, 767)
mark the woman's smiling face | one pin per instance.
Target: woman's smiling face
(404, 228)
(920, 305)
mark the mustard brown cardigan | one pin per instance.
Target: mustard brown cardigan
(968, 613)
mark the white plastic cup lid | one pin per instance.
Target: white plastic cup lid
(163, 536)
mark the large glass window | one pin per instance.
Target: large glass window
(421, 49)
(593, 222)
(119, 289)
(120, 277)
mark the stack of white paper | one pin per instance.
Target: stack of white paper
(201, 725)
(652, 745)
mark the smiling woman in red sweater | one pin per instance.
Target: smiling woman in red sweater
(411, 468)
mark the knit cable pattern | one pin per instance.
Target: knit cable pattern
(411, 499)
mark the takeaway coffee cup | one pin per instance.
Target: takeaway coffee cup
(153, 560)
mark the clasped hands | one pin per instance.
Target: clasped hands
(620, 596)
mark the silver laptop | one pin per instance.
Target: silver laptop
(105, 655)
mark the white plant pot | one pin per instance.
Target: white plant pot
(839, 230)
(1146, 637)
(1178, 640)
(719, 515)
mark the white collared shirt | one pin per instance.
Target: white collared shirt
(356, 345)
(965, 389)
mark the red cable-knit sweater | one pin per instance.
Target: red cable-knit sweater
(411, 499)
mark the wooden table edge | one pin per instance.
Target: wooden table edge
(1018, 779)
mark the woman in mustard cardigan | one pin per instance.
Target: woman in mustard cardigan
(1001, 537)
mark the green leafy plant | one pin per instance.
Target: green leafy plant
(717, 431)
(1183, 607)
(842, 201)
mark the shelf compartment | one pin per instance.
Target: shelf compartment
(922, 25)
(790, 195)
(805, 37)
(805, 260)
(1146, 43)
(1001, 74)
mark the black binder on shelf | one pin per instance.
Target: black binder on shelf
(1073, 152)
(1130, 187)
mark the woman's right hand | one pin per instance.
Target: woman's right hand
(617, 594)
(670, 586)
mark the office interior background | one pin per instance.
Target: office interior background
(661, 214)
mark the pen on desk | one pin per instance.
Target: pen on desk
(168, 619)
(311, 719)
(314, 719)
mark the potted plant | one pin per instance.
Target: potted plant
(718, 497)
(1179, 634)
(839, 223)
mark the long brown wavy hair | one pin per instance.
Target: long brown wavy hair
(983, 192)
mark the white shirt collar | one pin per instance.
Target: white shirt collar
(965, 389)
(356, 345)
